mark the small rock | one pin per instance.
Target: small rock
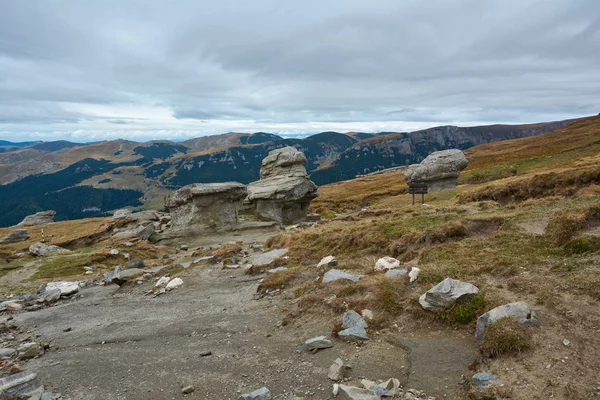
(390, 273)
(566, 342)
(482, 380)
(40, 249)
(66, 288)
(7, 352)
(329, 261)
(386, 263)
(446, 293)
(367, 314)
(336, 274)
(318, 343)
(354, 326)
(336, 371)
(188, 389)
(174, 283)
(30, 350)
(260, 394)
(162, 281)
(355, 393)
(413, 274)
(67, 329)
(114, 252)
(135, 263)
(205, 353)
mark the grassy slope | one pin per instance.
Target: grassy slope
(543, 250)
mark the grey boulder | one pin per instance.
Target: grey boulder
(446, 293)
(16, 236)
(336, 371)
(354, 326)
(439, 170)
(519, 311)
(135, 263)
(261, 394)
(41, 218)
(41, 249)
(260, 260)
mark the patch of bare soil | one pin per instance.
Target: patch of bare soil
(536, 227)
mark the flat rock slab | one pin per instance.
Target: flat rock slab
(260, 260)
(336, 274)
(260, 394)
(355, 393)
(22, 385)
(395, 272)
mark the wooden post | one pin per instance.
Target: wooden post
(422, 198)
(418, 188)
(413, 197)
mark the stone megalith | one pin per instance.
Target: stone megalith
(41, 218)
(284, 190)
(206, 207)
(439, 170)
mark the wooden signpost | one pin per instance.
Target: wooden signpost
(418, 188)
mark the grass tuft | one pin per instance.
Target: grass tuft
(505, 336)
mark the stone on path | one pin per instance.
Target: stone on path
(355, 393)
(318, 343)
(336, 274)
(188, 389)
(260, 260)
(41, 218)
(519, 311)
(24, 385)
(336, 371)
(354, 326)
(386, 263)
(446, 293)
(16, 236)
(329, 261)
(174, 283)
(261, 394)
(162, 281)
(41, 249)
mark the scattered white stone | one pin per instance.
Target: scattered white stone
(566, 342)
(413, 274)
(162, 281)
(329, 261)
(114, 252)
(386, 263)
(174, 283)
(317, 343)
(336, 389)
(367, 314)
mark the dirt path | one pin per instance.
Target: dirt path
(124, 345)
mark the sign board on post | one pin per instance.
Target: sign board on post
(418, 188)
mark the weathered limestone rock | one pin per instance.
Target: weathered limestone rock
(16, 236)
(520, 311)
(66, 288)
(284, 190)
(329, 261)
(41, 218)
(122, 213)
(385, 263)
(446, 293)
(439, 170)
(336, 371)
(206, 207)
(40, 249)
(260, 260)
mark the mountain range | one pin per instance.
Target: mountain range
(81, 180)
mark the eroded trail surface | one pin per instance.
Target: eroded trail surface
(117, 343)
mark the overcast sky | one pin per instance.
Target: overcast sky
(149, 69)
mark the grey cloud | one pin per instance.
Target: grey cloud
(293, 64)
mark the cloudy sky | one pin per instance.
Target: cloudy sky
(150, 69)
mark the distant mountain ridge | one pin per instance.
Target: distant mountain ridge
(118, 173)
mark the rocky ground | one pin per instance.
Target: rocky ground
(215, 334)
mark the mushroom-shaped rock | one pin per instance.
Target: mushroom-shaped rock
(207, 207)
(439, 170)
(446, 293)
(284, 190)
(519, 311)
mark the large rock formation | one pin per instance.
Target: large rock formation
(206, 207)
(284, 190)
(16, 236)
(439, 170)
(41, 218)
